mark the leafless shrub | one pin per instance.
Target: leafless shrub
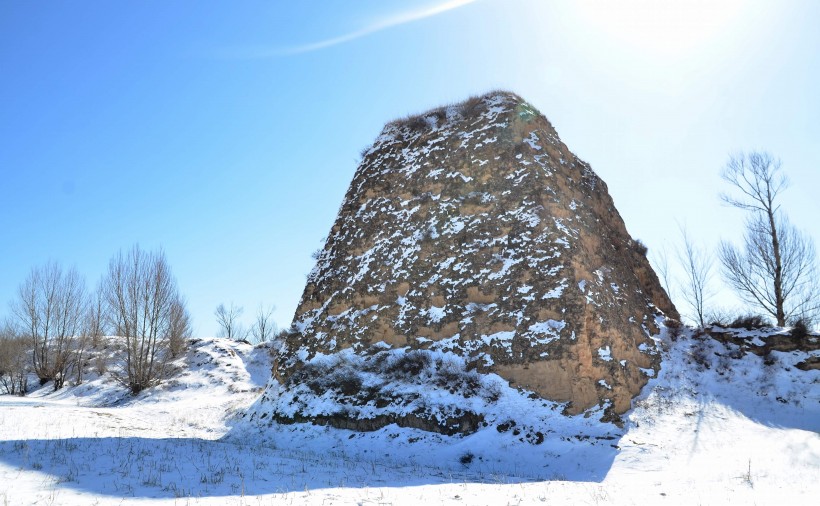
(14, 361)
(264, 328)
(228, 320)
(749, 322)
(700, 355)
(180, 328)
(719, 317)
(697, 264)
(415, 123)
(640, 247)
(438, 115)
(418, 123)
(472, 106)
(724, 364)
(100, 364)
(453, 377)
(675, 328)
(363, 152)
(660, 261)
(800, 329)
(346, 380)
(408, 365)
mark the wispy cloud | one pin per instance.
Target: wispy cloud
(377, 26)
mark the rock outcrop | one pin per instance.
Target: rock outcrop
(763, 341)
(473, 231)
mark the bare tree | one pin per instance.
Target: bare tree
(140, 296)
(80, 344)
(96, 330)
(180, 328)
(660, 260)
(775, 268)
(697, 264)
(92, 333)
(264, 327)
(228, 320)
(95, 318)
(14, 361)
(50, 307)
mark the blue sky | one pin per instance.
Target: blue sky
(227, 132)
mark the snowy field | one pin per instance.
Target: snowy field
(710, 429)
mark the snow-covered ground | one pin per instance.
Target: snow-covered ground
(711, 429)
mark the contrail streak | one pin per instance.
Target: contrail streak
(382, 24)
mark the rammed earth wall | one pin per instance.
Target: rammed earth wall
(472, 229)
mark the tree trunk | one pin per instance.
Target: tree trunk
(778, 272)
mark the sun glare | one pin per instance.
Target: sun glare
(660, 27)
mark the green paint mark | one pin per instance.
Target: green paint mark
(526, 112)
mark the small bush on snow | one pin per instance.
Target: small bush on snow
(675, 328)
(408, 365)
(452, 376)
(800, 329)
(700, 354)
(749, 322)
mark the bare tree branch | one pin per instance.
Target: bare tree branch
(179, 329)
(660, 260)
(264, 328)
(697, 264)
(14, 360)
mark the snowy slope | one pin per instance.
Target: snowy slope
(714, 427)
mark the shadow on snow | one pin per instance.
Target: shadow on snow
(187, 467)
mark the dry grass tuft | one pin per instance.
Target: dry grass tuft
(469, 108)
